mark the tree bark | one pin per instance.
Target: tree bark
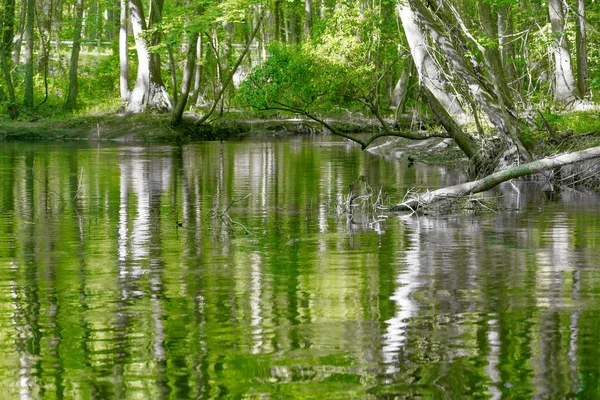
(564, 81)
(8, 34)
(123, 52)
(581, 44)
(497, 178)
(71, 102)
(188, 73)
(29, 26)
(496, 111)
(197, 72)
(307, 18)
(173, 68)
(149, 91)
(20, 33)
(429, 73)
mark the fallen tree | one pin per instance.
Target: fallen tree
(481, 185)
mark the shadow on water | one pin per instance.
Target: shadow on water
(122, 278)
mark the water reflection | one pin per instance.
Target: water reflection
(129, 272)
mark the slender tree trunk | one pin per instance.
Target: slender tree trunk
(71, 102)
(123, 53)
(197, 72)
(507, 48)
(173, 68)
(8, 34)
(188, 73)
(20, 33)
(277, 12)
(149, 91)
(30, 22)
(307, 18)
(564, 81)
(293, 24)
(581, 43)
(400, 93)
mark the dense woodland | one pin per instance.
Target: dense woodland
(494, 73)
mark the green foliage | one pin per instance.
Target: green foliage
(291, 78)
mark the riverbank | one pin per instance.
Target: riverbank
(572, 132)
(156, 128)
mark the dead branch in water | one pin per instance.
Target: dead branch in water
(481, 185)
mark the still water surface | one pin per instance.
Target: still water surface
(121, 276)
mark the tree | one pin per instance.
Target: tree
(581, 47)
(30, 24)
(149, 92)
(565, 88)
(8, 33)
(73, 84)
(123, 52)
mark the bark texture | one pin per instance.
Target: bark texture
(149, 92)
(123, 53)
(71, 102)
(429, 72)
(564, 81)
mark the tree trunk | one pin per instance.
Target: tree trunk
(307, 18)
(497, 178)
(149, 91)
(5, 51)
(400, 92)
(20, 33)
(173, 68)
(564, 81)
(186, 83)
(581, 44)
(507, 48)
(197, 72)
(71, 102)
(474, 83)
(428, 71)
(29, 26)
(123, 53)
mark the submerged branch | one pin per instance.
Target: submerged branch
(491, 181)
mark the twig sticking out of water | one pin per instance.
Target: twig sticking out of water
(226, 219)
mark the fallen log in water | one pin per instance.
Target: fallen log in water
(481, 185)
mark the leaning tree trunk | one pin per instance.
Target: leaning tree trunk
(564, 81)
(29, 25)
(476, 84)
(186, 83)
(123, 53)
(71, 102)
(149, 91)
(427, 69)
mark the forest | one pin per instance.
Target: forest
(506, 80)
(142, 261)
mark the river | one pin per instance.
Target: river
(233, 270)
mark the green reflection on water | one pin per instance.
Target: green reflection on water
(121, 277)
